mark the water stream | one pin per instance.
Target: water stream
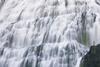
(47, 33)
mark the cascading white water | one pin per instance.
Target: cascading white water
(46, 33)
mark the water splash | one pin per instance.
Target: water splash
(46, 33)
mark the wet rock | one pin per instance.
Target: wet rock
(92, 58)
(1, 51)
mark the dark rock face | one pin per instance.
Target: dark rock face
(92, 58)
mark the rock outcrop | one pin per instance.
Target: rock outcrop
(92, 58)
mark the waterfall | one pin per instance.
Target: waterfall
(47, 33)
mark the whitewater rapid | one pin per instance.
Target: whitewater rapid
(47, 33)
